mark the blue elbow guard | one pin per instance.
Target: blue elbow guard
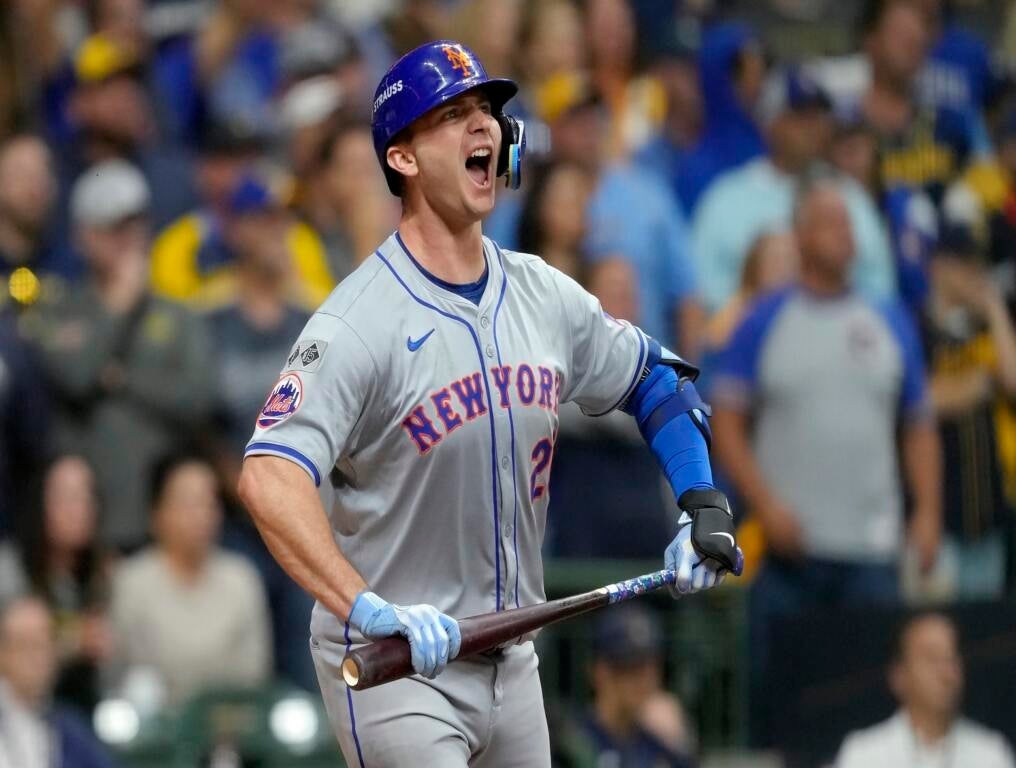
(672, 419)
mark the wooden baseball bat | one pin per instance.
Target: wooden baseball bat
(389, 659)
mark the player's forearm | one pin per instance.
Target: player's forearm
(286, 508)
(922, 465)
(734, 452)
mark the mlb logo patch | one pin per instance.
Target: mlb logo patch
(306, 355)
(283, 401)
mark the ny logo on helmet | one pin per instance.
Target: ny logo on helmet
(459, 59)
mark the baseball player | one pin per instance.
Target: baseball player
(424, 393)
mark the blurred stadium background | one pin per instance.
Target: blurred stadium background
(183, 181)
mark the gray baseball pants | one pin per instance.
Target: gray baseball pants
(482, 712)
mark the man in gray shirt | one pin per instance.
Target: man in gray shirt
(132, 373)
(822, 375)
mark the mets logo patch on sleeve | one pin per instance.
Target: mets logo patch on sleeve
(306, 355)
(283, 401)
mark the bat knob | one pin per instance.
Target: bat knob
(739, 565)
(350, 672)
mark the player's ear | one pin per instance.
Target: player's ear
(400, 158)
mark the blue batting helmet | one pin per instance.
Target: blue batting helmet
(427, 77)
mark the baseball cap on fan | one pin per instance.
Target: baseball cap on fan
(100, 58)
(792, 90)
(627, 634)
(109, 193)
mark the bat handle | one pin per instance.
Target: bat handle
(350, 672)
(389, 659)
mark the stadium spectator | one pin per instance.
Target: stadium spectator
(552, 60)
(822, 375)
(226, 150)
(194, 260)
(28, 258)
(972, 361)
(111, 114)
(66, 566)
(345, 201)
(27, 187)
(732, 71)
(34, 40)
(323, 78)
(959, 73)
(209, 625)
(236, 57)
(926, 678)
(24, 429)
(798, 126)
(921, 145)
(667, 151)
(633, 721)
(165, 65)
(636, 103)
(632, 214)
(910, 217)
(983, 200)
(253, 336)
(771, 264)
(36, 734)
(131, 372)
(553, 220)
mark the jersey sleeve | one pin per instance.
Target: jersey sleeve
(606, 355)
(314, 411)
(735, 377)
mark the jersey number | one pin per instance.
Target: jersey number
(541, 455)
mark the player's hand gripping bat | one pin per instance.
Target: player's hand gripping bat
(389, 659)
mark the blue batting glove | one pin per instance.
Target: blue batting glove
(433, 637)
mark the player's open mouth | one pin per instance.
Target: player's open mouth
(478, 166)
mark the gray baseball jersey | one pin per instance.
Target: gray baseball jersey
(434, 420)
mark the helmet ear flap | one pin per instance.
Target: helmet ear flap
(513, 148)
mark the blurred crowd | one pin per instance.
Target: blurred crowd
(813, 201)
